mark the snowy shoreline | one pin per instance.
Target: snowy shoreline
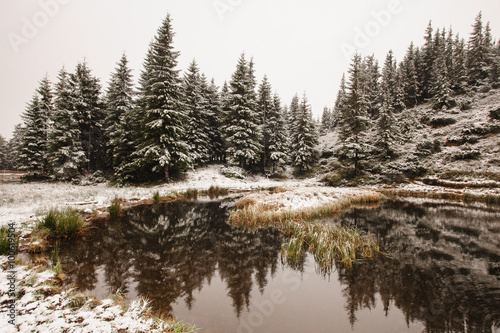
(44, 307)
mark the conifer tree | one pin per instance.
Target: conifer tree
(354, 118)
(197, 129)
(391, 84)
(4, 164)
(458, 74)
(89, 114)
(119, 104)
(277, 140)
(425, 68)
(326, 121)
(340, 101)
(214, 120)
(440, 88)
(14, 148)
(372, 90)
(265, 104)
(46, 109)
(32, 149)
(66, 153)
(293, 113)
(303, 138)
(477, 53)
(241, 124)
(387, 129)
(410, 78)
(162, 149)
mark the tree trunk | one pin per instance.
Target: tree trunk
(166, 176)
(356, 163)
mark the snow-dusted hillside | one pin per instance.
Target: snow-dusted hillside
(459, 144)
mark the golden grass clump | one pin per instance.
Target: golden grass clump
(327, 243)
(250, 213)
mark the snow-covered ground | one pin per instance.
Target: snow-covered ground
(300, 198)
(24, 203)
(42, 309)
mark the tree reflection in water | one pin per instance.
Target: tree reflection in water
(171, 251)
(443, 271)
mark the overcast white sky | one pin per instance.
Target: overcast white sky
(297, 43)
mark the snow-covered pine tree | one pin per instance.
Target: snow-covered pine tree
(390, 84)
(492, 58)
(458, 74)
(410, 78)
(441, 87)
(89, 114)
(354, 118)
(340, 101)
(14, 148)
(277, 140)
(476, 59)
(131, 169)
(162, 149)
(4, 147)
(387, 130)
(372, 90)
(303, 138)
(119, 104)
(33, 148)
(265, 104)
(214, 121)
(425, 69)
(449, 43)
(197, 126)
(66, 154)
(326, 121)
(241, 123)
(46, 109)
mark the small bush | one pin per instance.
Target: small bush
(232, 172)
(191, 193)
(495, 114)
(215, 191)
(429, 147)
(460, 140)
(156, 197)
(410, 166)
(66, 223)
(465, 105)
(326, 154)
(115, 208)
(441, 121)
(4, 240)
(467, 153)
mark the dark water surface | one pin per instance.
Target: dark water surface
(442, 275)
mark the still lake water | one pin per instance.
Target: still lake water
(442, 273)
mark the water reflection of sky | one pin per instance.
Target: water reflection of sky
(442, 274)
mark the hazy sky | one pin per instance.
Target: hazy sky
(302, 46)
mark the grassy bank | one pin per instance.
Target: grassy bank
(488, 198)
(327, 243)
(250, 214)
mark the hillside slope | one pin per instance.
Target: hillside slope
(461, 144)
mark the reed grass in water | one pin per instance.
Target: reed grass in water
(327, 243)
